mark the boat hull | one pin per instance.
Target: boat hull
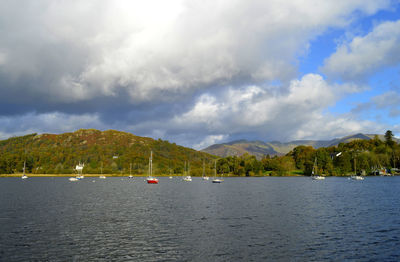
(152, 181)
(187, 179)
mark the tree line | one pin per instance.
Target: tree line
(366, 156)
(54, 155)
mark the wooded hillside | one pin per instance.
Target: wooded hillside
(101, 151)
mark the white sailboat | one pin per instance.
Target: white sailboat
(130, 170)
(314, 175)
(355, 176)
(101, 171)
(216, 179)
(24, 176)
(187, 178)
(204, 176)
(78, 169)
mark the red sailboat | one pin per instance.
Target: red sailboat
(150, 179)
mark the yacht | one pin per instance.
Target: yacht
(150, 179)
(187, 178)
(24, 176)
(314, 175)
(216, 179)
(204, 176)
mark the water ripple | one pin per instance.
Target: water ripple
(242, 219)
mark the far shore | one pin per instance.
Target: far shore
(144, 175)
(73, 175)
(127, 175)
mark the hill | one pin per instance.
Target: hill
(260, 148)
(101, 151)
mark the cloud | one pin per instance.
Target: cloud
(296, 111)
(385, 103)
(190, 71)
(155, 50)
(41, 123)
(210, 140)
(357, 59)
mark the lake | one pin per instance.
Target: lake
(242, 219)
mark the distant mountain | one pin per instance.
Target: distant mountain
(101, 151)
(259, 148)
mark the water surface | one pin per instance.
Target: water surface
(242, 219)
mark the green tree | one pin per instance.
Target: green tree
(389, 138)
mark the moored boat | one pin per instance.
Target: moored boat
(24, 176)
(357, 177)
(79, 170)
(187, 178)
(150, 179)
(314, 175)
(216, 179)
(204, 176)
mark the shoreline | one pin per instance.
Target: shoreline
(122, 175)
(142, 175)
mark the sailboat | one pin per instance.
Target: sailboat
(187, 178)
(79, 169)
(130, 170)
(355, 176)
(314, 175)
(24, 176)
(101, 171)
(216, 179)
(204, 176)
(150, 179)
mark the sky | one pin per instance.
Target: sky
(200, 72)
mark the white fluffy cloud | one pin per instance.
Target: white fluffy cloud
(108, 64)
(265, 113)
(254, 107)
(79, 50)
(364, 55)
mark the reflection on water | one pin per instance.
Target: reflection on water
(248, 219)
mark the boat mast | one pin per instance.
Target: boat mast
(355, 170)
(151, 163)
(215, 168)
(203, 168)
(314, 168)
